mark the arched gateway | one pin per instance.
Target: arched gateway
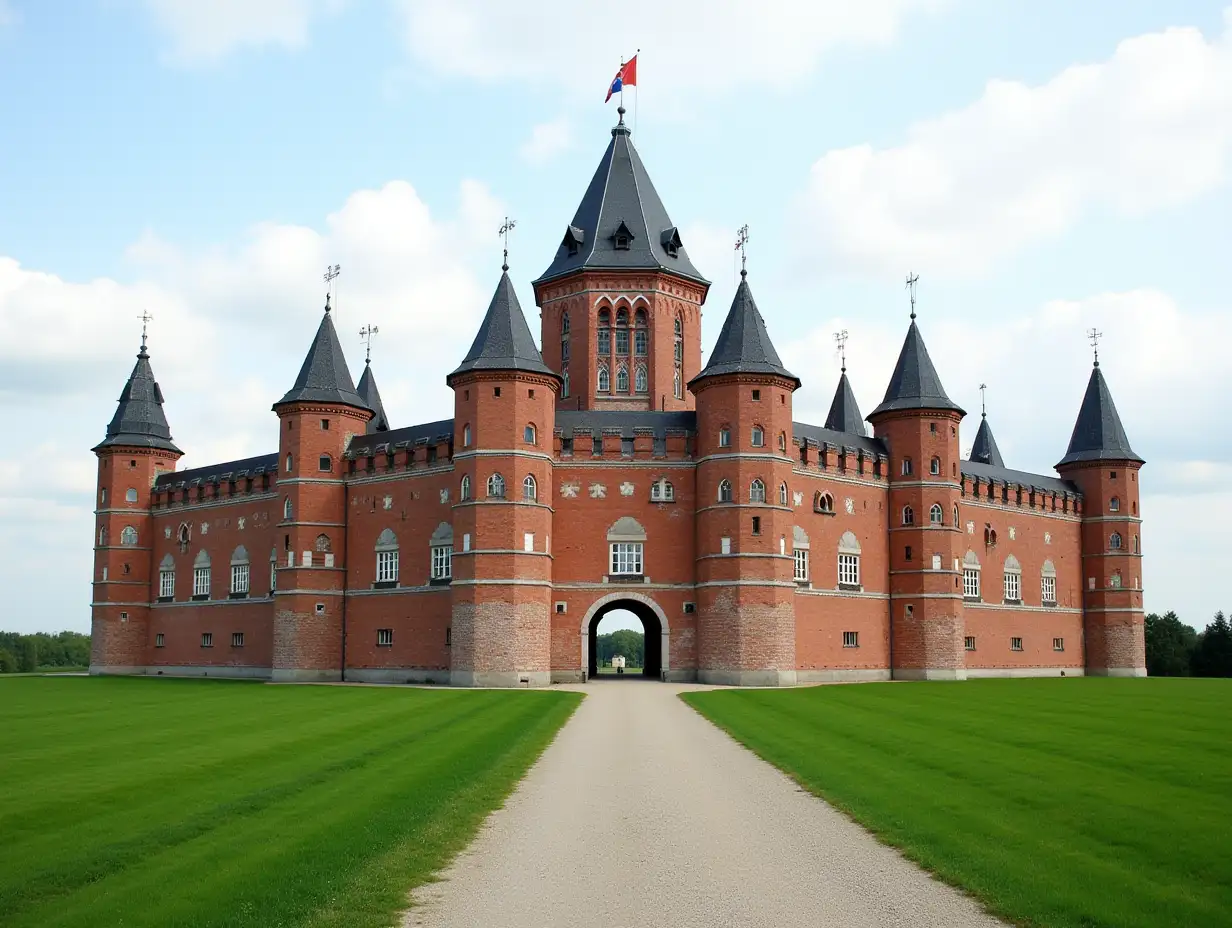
(654, 623)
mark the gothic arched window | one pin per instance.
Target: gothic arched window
(757, 491)
(782, 494)
(496, 486)
(640, 384)
(676, 384)
(564, 386)
(464, 489)
(622, 331)
(908, 516)
(564, 337)
(640, 333)
(725, 491)
(622, 379)
(529, 490)
(935, 514)
(605, 332)
(605, 381)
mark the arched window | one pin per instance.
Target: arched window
(287, 510)
(1013, 580)
(823, 502)
(640, 384)
(273, 570)
(166, 578)
(622, 331)
(677, 388)
(290, 461)
(1114, 541)
(466, 436)
(626, 540)
(1136, 551)
(849, 562)
(130, 495)
(441, 550)
(564, 387)
(622, 379)
(324, 545)
(201, 576)
(564, 337)
(971, 576)
(528, 434)
(725, 491)
(605, 382)
(387, 558)
(661, 491)
(128, 536)
(783, 442)
(757, 491)
(934, 466)
(758, 437)
(908, 516)
(464, 489)
(326, 463)
(496, 486)
(935, 514)
(1048, 584)
(782, 494)
(605, 332)
(239, 572)
(1115, 580)
(679, 329)
(529, 490)
(640, 336)
(990, 536)
(1114, 504)
(956, 515)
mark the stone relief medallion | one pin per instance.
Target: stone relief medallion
(167, 532)
(569, 490)
(389, 502)
(626, 489)
(1047, 538)
(798, 498)
(598, 491)
(970, 528)
(240, 523)
(1011, 533)
(205, 528)
(850, 505)
(444, 497)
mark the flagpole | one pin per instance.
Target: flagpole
(635, 54)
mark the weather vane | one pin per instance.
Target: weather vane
(742, 239)
(912, 280)
(506, 227)
(145, 318)
(983, 405)
(1095, 335)
(840, 339)
(331, 273)
(366, 334)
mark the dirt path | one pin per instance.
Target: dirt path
(644, 814)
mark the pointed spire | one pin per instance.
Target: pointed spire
(372, 399)
(139, 419)
(744, 345)
(621, 192)
(503, 342)
(844, 413)
(985, 450)
(324, 376)
(914, 383)
(1098, 434)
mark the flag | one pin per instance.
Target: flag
(627, 75)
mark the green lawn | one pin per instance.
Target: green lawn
(1084, 802)
(191, 803)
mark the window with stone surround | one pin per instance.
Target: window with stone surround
(626, 539)
(239, 572)
(530, 492)
(757, 491)
(384, 637)
(496, 486)
(166, 579)
(661, 491)
(1048, 584)
(201, 576)
(849, 562)
(908, 516)
(441, 544)
(128, 536)
(387, 558)
(971, 576)
(725, 491)
(1013, 580)
(935, 514)
(1015, 644)
(851, 639)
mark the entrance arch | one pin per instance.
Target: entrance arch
(654, 624)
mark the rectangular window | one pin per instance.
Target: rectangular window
(596, 445)
(324, 425)
(166, 584)
(442, 562)
(384, 637)
(756, 396)
(237, 638)
(201, 582)
(725, 546)
(849, 569)
(969, 642)
(851, 639)
(273, 575)
(207, 639)
(907, 553)
(1058, 644)
(159, 641)
(1013, 587)
(386, 566)
(1015, 644)
(1049, 591)
(466, 541)
(971, 583)
(528, 541)
(756, 525)
(724, 438)
(622, 341)
(801, 558)
(605, 342)
(626, 557)
(906, 467)
(239, 578)
(639, 341)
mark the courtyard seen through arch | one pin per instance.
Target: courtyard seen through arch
(624, 615)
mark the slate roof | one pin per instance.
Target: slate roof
(139, 420)
(597, 421)
(426, 433)
(503, 342)
(744, 345)
(372, 399)
(246, 467)
(844, 413)
(1098, 433)
(985, 450)
(324, 377)
(621, 192)
(821, 435)
(1005, 475)
(914, 383)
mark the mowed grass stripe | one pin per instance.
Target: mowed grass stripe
(324, 807)
(1057, 802)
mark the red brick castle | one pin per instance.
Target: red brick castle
(612, 470)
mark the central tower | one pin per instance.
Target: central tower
(621, 301)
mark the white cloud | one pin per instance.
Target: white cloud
(8, 15)
(1147, 129)
(204, 32)
(547, 140)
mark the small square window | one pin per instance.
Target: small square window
(320, 607)
(384, 637)
(907, 553)
(207, 640)
(756, 525)
(159, 641)
(324, 425)
(756, 396)
(932, 427)
(326, 463)
(690, 608)
(1015, 644)
(1058, 644)
(496, 391)
(851, 639)
(562, 608)
(969, 642)
(531, 393)
(237, 639)
(1112, 475)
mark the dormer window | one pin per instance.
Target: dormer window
(574, 237)
(622, 238)
(670, 240)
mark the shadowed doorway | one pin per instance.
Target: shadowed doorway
(652, 629)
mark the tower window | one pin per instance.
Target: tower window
(934, 466)
(758, 437)
(324, 425)
(935, 514)
(724, 438)
(906, 467)
(640, 384)
(908, 516)
(528, 434)
(130, 495)
(756, 396)
(1114, 504)
(326, 463)
(1114, 541)
(756, 525)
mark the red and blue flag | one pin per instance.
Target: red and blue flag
(625, 77)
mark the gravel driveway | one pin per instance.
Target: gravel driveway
(642, 813)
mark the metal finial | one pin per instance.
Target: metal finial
(620, 111)
(145, 318)
(983, 405)
(912, 280)
(366, 334)
(331, 273)
(742, 239)
(506, 227)
(840, 339)
(1094, 337)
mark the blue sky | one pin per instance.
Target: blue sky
(1044, 167)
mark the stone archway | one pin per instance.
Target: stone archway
(654, 623)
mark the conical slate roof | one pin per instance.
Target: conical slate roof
(985, 450)
(372, 399)
(744, 345)
(844, 413)
(914, 383)
(1098, 433)
(621, 207)
(324, 377)
(139, 420)
(503, 342)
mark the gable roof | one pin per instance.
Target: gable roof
(503, 342)
(621, 193)
(372, 399)
(1098, 434)
(139, 420)
(844, 413)
(985, 450)
(744, 345)
(324, 377)
(914, 383)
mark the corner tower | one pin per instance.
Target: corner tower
(919, 423)
(746, 623)
(136, 449)
(316, 419)
(504, 420)
(1105, 468)
(621, 301)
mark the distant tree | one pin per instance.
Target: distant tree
(27, 654)
(1169, 645)
(8, 663)
(1212, 657)
(623, 641)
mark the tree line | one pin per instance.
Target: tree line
(1173, 649)
(27, 653)
(629, 644)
